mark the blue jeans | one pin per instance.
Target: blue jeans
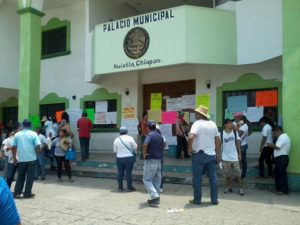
(84, 148)
(152, 177)
(201, 162)
(244, 160)
(26, 171)
(125, 164)
(40, 166)
(11, 170)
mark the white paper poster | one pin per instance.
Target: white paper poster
(188, 102)
(171, 140)
(111, 118)
(173, 104)
(74, 115)
(100, 118)
(166, 130)
(101, 106)
(131, 125)
(253, 114)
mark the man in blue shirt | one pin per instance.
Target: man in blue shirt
(152, 151)
(26, 144)
(8, 211)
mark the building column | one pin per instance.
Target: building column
(291, 79)
(30, 59)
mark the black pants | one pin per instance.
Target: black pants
(280, 174)
(85, 148)
(266, 156)
(181, 146)
(59, 161)
(125, 165)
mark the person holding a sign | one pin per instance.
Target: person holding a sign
(181, 132)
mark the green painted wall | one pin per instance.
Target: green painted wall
(291, 79)
(53, 98)
(247, 81)
(11, 102)
(30, 55)
(210, 36)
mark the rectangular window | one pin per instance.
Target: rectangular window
(10, 113)
(54, 41)
(50, 110)
(269, 111)
(109, 114)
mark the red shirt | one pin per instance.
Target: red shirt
(84, 124)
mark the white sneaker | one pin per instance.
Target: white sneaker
(161, 190)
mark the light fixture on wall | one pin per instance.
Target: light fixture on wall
(74, 97)
(208, 84)
(126, 91)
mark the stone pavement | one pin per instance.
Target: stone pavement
(90, 201)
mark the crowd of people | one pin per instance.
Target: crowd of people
(25, 151)
(209, 149)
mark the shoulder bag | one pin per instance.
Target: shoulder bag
(129, 149)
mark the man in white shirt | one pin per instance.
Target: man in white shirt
(231, 156)
(281, 153)
(204, 146)
(265, 151)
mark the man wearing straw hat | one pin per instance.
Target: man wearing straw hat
(204, 146)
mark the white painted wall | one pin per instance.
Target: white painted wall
(116, 84)
(9, 45)
(64, 75)
(259, 29)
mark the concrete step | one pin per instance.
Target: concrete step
(168, 177)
